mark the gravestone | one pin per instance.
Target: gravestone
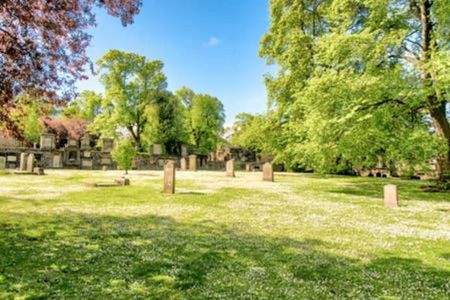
(86, 163)
(56, 162)
(183, 164)
(230, 168)
(157, 149)
(11, 158)
(2, 162)
(30, 163)
(23, 162)
(248, 167)
(184, 150)
(47, 141)
(267, 172)
(169, 176)
(390, 196)
(193, 162)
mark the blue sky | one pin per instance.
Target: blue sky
(210, 46)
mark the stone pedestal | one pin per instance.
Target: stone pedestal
(169, 177)
(230, 168)
(23, 162)
(193, 162)
(30, 163)
(268, 172)
(183, 164)
(390, 196)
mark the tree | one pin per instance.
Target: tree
(207, 117)
(124, 154)
(26, 116)
(186, 95)
(132, 83)
(43, 47)
(167, 123)
(86, 106)
(358, 71)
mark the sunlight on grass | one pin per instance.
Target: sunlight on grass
(303, 236)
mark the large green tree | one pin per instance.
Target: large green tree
(132, 84)
(360, 79)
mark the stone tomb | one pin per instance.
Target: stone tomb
(183, 164)
(268, 172)
(390, 196)
(169, 176)
(230, 168)
(193, 162)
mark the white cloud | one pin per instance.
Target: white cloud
(213, 42)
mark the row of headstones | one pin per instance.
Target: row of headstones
(390, 191)
(169, 173)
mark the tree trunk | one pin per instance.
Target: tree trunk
(437, 107)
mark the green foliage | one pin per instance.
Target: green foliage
(87, 106)
(167, 123)
(132, 83)
(207, 117)
(352, 86)
(123, 154)
(26, 116)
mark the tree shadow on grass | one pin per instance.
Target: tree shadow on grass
(89, 256)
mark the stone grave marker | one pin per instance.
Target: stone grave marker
(169, 176)
(268, 172)
(157, 149)
(56, 162)
(183, 164)
(2, 162)
(47, 141)
(390, 196)
(30, 163)
(23, 162)
(193, 162)
(230, 168)
(184, 150)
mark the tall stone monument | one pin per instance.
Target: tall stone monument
(183, 164)
(169, 176)
(23, 162)
(230, 168)
(390, 196)
(268, 172)
(193, 162)
(30, 163)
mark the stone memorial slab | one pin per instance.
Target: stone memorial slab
(248, 167)
(86, 163)
(2, 162)
(184, 150)
(86, 154)
(157, 149)
(72, 143)
(160, 162)
(11, 158)
(56, 161)
(193, 162)
(105, 161)
(230, 168)
(47, 141)
(183, 164)
(268, 172)
(30, 163)
(169, 176)
(23, 162)
(390, 196)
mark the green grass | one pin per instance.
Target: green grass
(304, 236)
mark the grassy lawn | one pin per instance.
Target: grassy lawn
(304, 236)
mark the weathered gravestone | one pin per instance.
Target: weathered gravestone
(2, 162)
(23, 162)
(169, 176)
(267, 172)
(230, 168)
(183, 164)
(390, 196)
(193, 162)
(30, 163)
(157, 149)
(248, 167)
(47, 141)
(184, 150)
(57, 161)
